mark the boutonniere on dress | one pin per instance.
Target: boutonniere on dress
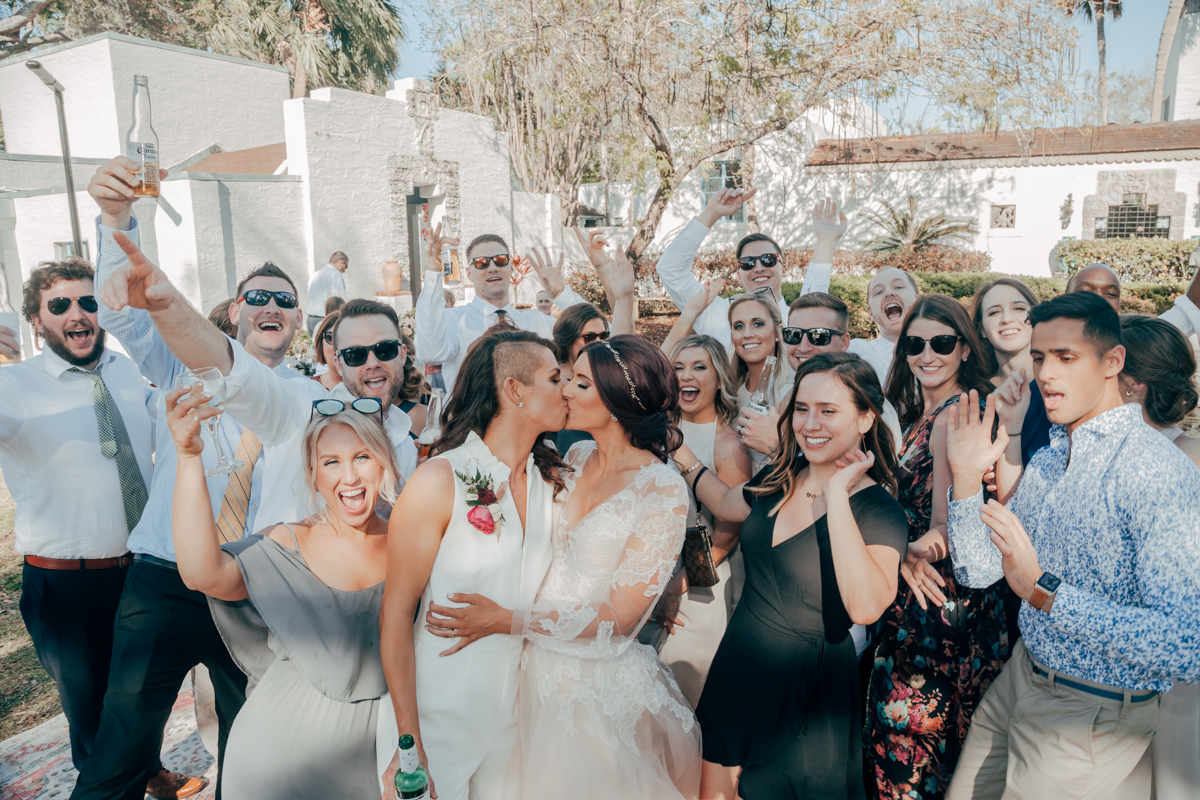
(485, 515)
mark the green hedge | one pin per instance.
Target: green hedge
(1133, 259)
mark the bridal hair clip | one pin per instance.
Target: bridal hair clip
(629, 380)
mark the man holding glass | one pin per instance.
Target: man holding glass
(163, 628)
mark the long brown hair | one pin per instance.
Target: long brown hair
(475, 400)
(637, 384)
(569, 327)
(862, 382)
(973, 373)
(1158, 355)
(977, 311)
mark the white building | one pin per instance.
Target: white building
(254, 175)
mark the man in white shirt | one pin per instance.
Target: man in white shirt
(327, 282)
(760, 260)
(543, 303)
(444, 334)
(889, 296)
(76, 448)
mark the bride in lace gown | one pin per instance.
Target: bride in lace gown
(599, 716)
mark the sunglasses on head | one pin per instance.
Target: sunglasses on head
(588, 338)
(363, 405)
(357, 356)
(59, 305)
(942, 345)
(817, 337)
(260, 297)
(768, 260)
(481, 262)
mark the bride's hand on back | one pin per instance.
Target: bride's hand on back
(479, 618)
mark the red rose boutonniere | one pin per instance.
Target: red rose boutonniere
(485, 514)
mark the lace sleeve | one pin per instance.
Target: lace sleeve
(603, 627)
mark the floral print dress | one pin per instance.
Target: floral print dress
(932, 667)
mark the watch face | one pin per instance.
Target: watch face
(1049, 583)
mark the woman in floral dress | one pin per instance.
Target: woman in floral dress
(942, 644)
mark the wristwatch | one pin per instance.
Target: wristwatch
(1043, 590)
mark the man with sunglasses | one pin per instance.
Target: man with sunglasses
(760, 260)
(76, 450)
(444, 334)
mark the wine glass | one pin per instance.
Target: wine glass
(213, 383)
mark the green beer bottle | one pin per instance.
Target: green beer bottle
(412, 781)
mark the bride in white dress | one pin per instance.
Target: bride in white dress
(598, 715)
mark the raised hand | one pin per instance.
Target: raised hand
(829, 224)
(1012, 402)
(851, 468)
(140, 285)
(184, 415)
(434, 242)
(969, 446)
(724, 203)
(112, 188)
(702, 300)
(622, 276)
(549, 273)
(593, 245)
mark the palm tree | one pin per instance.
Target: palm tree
(902, 229)
(352, 44)
(1097, 10)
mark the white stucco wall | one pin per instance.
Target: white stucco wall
(535, 224)
(1181, 84)
(198, 98)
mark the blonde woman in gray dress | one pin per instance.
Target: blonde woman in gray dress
(298, 606)
(707, 412)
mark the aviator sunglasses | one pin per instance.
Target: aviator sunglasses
(357, 356)
(260, 297)
(363, 405)
(481, 262)
(59, 305)
(913, 346)
(768, 260)
(817, 337)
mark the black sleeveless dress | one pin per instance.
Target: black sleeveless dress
(782, 699)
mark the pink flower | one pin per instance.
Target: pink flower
(481, 519)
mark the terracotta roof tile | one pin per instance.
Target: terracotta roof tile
(1039, 143)
(251, 161)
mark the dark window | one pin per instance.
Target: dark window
(723, 175)
(1133, 219)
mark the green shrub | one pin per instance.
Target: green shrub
(1133, 259)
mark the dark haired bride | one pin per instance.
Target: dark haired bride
(598, 715)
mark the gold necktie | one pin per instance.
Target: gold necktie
(231, 521)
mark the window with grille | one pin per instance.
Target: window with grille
(1133, 219)
(723, 175)
(1004, 216)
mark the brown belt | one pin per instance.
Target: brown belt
(79, 563)
(433, 369)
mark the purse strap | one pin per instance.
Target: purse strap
(692, 489)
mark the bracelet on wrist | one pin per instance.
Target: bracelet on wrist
(690, 469)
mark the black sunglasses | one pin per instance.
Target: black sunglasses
(913, 346)
(327, 337)
(768, 260)
(481, 262)
(588, 338)
(260, 297)
(357, 356)
(363, 405)
(817, 337)
(59, 305)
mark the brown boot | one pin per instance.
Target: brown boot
(167, 785)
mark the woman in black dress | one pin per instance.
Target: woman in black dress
(822, 538)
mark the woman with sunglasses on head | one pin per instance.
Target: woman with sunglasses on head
(324, 354)
(599, 715)
(706, 414)
(822, 538)
(308, 636)
(942, 644)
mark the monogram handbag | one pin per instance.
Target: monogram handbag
(697, 554)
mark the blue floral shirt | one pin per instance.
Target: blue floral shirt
(1114, 511)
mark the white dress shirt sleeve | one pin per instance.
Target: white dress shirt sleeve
(439, 340)
(1186, 317)
(566, 298)
(675, 264)
(271, 406)
(12, 408)
(816, 278)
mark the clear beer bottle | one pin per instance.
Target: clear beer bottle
(141, 143)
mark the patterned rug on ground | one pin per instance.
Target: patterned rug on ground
(36, 765)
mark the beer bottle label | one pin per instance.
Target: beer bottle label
(146, 155)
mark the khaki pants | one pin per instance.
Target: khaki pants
(1032, 738)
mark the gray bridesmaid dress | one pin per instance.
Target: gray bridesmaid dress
(307, 730)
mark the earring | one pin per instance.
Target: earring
(613, 417)
(1128, 393)
(521, 404)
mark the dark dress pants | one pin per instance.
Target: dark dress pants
(163, 629)
(69, 615)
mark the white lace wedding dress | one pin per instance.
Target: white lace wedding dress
(598, 714)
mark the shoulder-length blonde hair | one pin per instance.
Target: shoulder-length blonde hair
(370, 432)
(726, 397)
(739, 371)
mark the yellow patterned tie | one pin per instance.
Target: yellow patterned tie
(231, 521)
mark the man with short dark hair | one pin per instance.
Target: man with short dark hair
(1100, 543)
(76, 450)
(326, 283)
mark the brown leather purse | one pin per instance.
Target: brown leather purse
(697, 554)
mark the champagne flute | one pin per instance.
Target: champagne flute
(213, 383)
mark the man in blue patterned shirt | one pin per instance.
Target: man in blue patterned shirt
(1100, 542)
